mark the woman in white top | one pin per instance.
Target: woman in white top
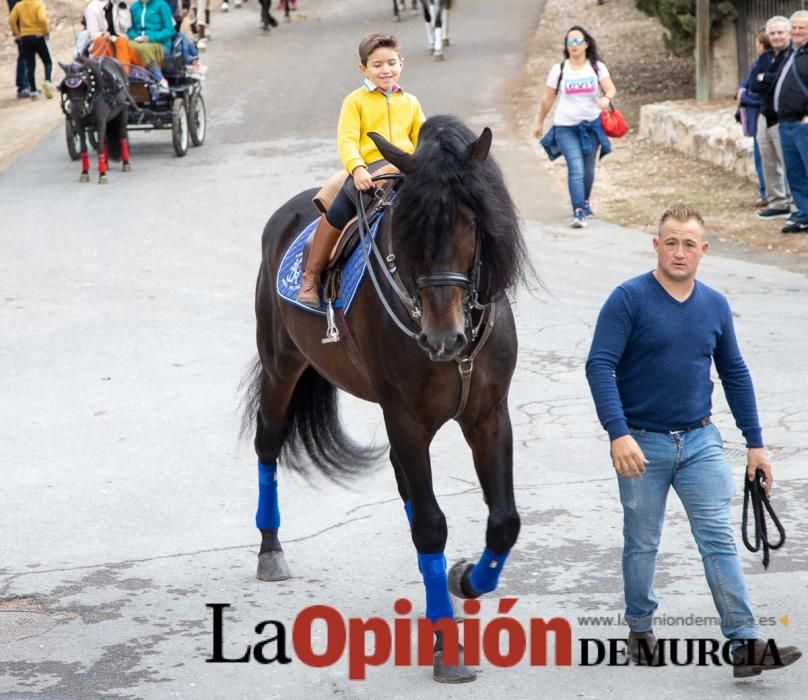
(583, 87)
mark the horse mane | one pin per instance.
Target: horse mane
(443, 178)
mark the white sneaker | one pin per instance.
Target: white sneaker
(226, 7)
(47, 88)
(238, 4)
(201, 44)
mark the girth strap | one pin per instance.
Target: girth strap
(465, 365)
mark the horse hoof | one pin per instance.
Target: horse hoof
(127, 168)
(459, 571)
(452, 674)
(438, 56)
(103, 180)
(272, 566)
(84, 177)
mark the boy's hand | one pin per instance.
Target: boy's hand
(362, 179)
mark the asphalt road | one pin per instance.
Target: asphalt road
(127, 499)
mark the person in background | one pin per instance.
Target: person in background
(151, 34)
(583, 87)
(21, 75)
(749, 110)
(29, 24)
(770, 64)
(791, 103)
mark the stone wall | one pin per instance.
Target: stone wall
(708, 132)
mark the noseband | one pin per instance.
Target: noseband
(73, 81)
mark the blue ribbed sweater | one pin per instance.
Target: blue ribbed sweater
(649, 365)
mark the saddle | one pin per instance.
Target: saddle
(374, 202)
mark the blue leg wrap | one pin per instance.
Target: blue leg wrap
(408, 511)
(485, 574)
(433, 569)
(268, 516)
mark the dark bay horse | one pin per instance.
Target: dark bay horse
(95, 95)
(452, 247)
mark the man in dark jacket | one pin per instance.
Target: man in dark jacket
(791, 104)
(21, 79)
(770, 64)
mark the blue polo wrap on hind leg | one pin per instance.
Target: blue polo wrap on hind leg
(268, 516)
(433, 569)
(485, 574)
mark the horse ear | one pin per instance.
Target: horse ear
(478, 150)
(392, 154)
(64, 67)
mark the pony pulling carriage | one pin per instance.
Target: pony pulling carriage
(432, 340)
(102, 104)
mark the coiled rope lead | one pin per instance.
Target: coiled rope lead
(755, 491)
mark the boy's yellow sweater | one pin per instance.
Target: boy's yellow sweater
(398, 117)
(28, 18)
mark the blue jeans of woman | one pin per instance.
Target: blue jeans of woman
(695, 465)
(580, 165)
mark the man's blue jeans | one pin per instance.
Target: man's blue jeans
(580, 165)
(794, 140)
(695, 465)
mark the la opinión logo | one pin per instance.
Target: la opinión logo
(503, 641)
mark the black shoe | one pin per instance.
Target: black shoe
(796, 227)
(792, 217)
(771, 213)
(752, 659)
(272, 21)
(643, 650)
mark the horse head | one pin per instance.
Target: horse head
(78, 87)
(453, 229)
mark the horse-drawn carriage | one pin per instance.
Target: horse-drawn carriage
(102, 85)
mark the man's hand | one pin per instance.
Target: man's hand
(362, 178)
(627, 457)
(756, 459)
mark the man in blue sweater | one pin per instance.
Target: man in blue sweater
(649, 372)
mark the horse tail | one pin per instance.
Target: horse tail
(311, 428)
(116, 130)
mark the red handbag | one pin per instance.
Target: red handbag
(613, 122)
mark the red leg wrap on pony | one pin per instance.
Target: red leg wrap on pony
(85, 162)
(124, 151)
(102, 162)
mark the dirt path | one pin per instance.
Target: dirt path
(639, 178)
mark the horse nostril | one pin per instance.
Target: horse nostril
(423, 342)
(460, 341)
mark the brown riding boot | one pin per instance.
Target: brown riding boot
(325, 237)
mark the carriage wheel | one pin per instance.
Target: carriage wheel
(179, 126)
(198, 120)
(73, 141)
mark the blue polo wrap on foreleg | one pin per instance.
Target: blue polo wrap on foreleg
(268, 516)
(408, 511)
(433, 570)
(485, 574)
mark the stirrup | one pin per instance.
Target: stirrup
(331, 333)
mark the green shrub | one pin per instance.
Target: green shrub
(679, 18)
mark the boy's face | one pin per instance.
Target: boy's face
(383, 68)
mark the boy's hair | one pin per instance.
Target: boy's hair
(682, 213)
(376, 41)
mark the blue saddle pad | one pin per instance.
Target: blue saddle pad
(290, 272)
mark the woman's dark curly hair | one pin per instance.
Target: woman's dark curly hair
(591, 46)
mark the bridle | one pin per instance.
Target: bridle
(469, 281)
(387, 264)
(73, 81)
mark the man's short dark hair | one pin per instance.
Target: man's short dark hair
(682, 213)
(376, 41)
